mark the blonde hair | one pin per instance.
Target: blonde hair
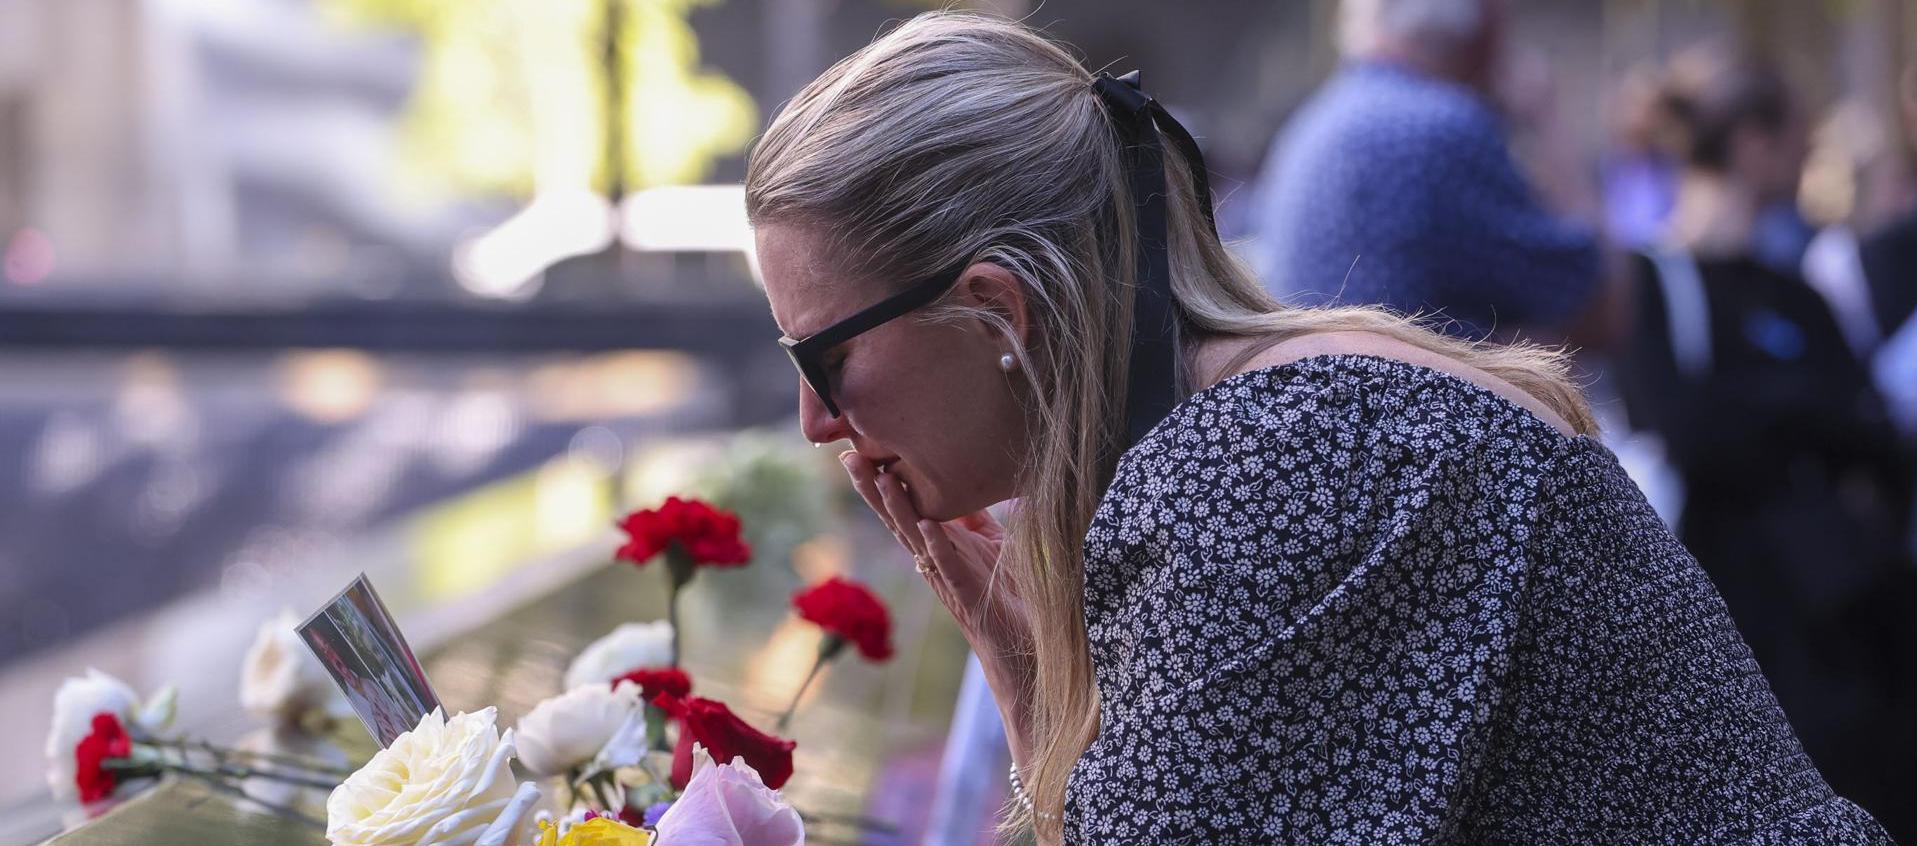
(959, 137)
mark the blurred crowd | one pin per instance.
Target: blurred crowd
(1751, 334)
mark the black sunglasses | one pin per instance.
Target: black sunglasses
(808, 353)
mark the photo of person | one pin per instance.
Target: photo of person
(357, 641)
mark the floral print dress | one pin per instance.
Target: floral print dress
(1354, 600)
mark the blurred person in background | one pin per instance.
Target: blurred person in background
(1889, 264)
(1864, 263)
(1394, 184)
(1638, 177)
(1890, 256)
(1797, 494)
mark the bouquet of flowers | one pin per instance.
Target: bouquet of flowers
(633, 752)
(630, 742)
(627, 753)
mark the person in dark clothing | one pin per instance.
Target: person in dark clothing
(1888, 262)
(1890, 265)
(1797, 491)
(1889, 257)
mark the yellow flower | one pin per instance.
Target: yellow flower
(600, 831)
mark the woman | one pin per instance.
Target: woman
(1273, 575)
(1797, 492)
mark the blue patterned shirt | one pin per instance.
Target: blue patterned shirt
(1410, 178)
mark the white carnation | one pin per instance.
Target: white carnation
(281, 679)
(629, 647)
(81, 697)
(593, 724)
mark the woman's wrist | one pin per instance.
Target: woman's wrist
(1011, 682)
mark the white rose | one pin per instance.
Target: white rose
(281, 678)
(593, 724)
(510, 827)
(728, 805)
(78, 699)
(441, 784)
(627, 648)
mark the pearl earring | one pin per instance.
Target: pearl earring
(1007, 363)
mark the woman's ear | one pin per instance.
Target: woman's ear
(988, 286)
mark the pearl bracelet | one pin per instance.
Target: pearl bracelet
(1024, 801)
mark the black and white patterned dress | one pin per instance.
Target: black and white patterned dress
(1355, 600)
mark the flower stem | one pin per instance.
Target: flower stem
(672, 618)
(229, 788)
(182, 762)
(223, 777)
(302, 762)
(241, 771)
(655, 730)
(245, 771)
(680, 568)
(599, 791)
(652, 773)
(615, 796)
(818, 663)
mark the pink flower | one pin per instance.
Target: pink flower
(727, 805)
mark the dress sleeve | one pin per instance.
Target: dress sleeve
(1319, 655)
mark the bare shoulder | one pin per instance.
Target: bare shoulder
(1367, 343)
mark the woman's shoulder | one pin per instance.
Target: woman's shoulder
(1379, 353)
(1341, 407)
(1281, 480)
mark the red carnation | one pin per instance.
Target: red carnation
(107, 741)
(712, 725)
(705, 535)
(656, 681)
(850, 612)
(692, 534)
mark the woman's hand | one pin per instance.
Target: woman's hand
(959, 559)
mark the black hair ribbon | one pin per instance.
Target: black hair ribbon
(1151, 388)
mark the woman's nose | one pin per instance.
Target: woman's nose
(817, 424)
